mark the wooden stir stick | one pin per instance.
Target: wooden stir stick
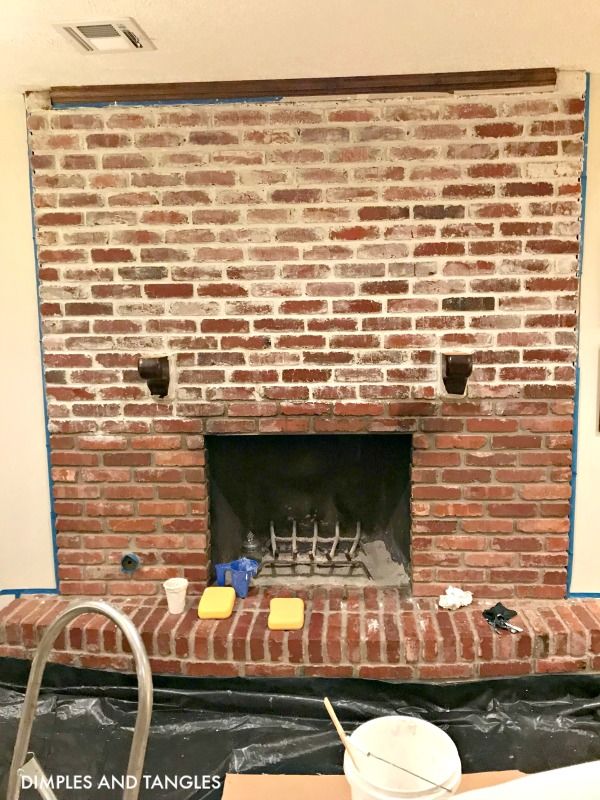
(340, 732)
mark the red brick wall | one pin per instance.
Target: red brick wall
(303, 264)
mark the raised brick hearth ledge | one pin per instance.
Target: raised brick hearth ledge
(370, 634)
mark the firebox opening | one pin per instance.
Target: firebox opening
(313, 508)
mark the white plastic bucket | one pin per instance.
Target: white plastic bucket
(411, 743)
(176, 589)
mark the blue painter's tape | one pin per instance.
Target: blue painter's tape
(19, 592)
(573, 485)
(571, 546)
(199, 102)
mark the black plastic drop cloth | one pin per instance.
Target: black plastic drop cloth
(207, 727)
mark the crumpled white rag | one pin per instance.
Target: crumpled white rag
(454, 598)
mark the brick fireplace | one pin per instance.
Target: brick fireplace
(304, 265)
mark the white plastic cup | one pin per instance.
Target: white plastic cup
(411, 743)
(176, 589)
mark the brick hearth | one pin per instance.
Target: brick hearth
(370, 633)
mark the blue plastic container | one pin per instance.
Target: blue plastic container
(241, 571)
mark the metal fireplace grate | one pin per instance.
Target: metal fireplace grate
(315, 554)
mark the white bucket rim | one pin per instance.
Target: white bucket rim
(355, 774)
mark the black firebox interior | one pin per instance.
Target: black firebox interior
(256, 480)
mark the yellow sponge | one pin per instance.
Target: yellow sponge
(286, 614)
(216, 602)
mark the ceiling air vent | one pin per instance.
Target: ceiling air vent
(116, 36)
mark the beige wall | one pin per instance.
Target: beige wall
(297, 38)
(26, 553)
(586, 551)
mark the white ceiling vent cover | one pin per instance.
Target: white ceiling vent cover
(114, 36)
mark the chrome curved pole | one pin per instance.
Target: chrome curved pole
(144, 677)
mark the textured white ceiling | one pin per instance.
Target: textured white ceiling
(200, 40)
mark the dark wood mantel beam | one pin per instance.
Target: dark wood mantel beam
(304, 87)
